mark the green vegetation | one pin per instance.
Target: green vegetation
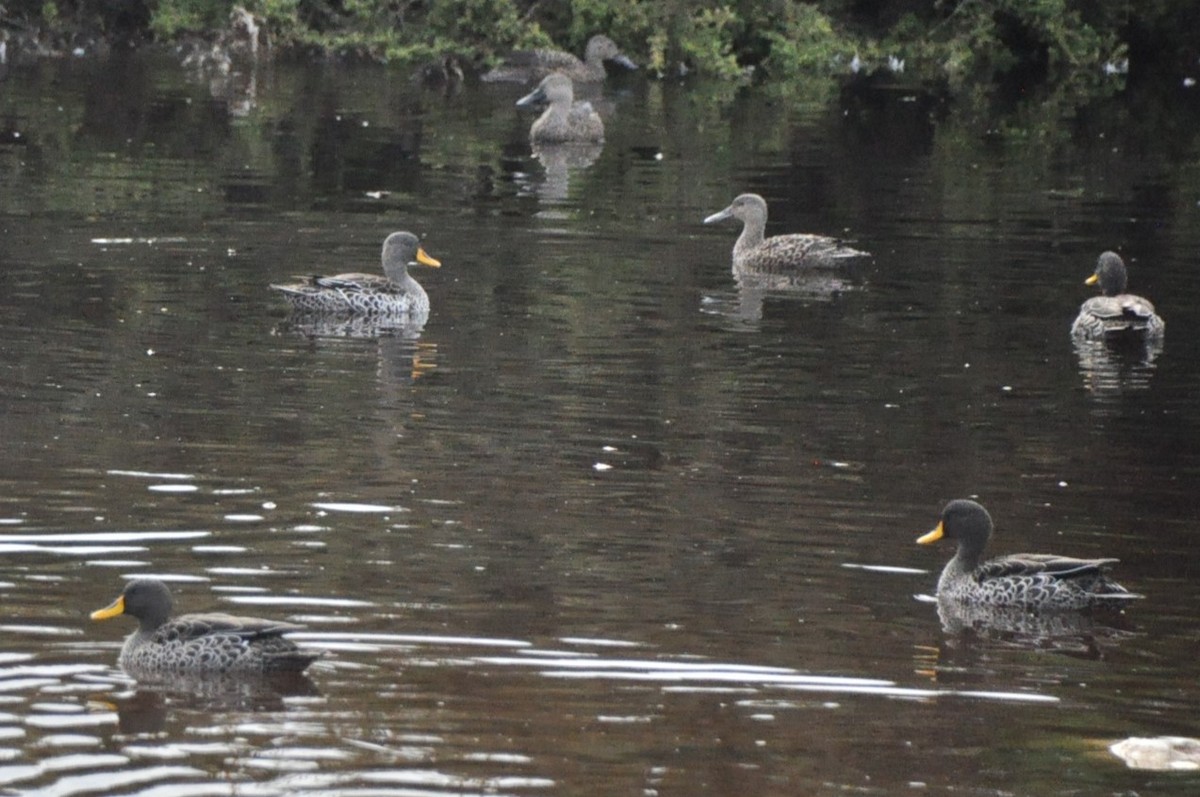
(962, 43)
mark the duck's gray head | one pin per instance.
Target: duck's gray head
(745, 207)
(1110, 273)
(602, 48)
(964, 521)
(147, 599)
(402, 249)
(555, 89)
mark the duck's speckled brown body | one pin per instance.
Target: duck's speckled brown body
(396, 294)
(1030, 581)
(213, 643)
(754, 252)
(1115, 311)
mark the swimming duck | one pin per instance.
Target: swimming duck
(395, 294)
(199, 643)
(528, 65)
(753, 252)
(1115, 310)
(1026, 580)
(564, 121)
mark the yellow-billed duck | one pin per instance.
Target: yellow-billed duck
(1031, 581)
(1115, 311)
(199, 643)
(394, 294)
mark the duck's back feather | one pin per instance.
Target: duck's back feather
(1031, 564)
(189, 627)
(1126, 312)
(362, 294)
(792, 252)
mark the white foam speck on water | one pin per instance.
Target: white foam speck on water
(244, 571)
(295, 600)
(408, 639)
(883, 568)
(69, 550)
(346, 506)
(104, 536)
(608, 643)
(143, 474)
(41, 630)
(173, 488)
(244, 518)
(149, 241)
(235, 491)
(218, 549)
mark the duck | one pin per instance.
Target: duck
(564, 121)
(1115, 311)
(214, 643)
(1024, 580)
(529, 65)
(394, 294)
(779, 253)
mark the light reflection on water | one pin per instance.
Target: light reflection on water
(610, 521)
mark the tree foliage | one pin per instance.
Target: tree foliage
(961, 42)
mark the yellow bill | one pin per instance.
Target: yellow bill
(932, 536)
(425, 259)
(1092, 280)
(114, 609)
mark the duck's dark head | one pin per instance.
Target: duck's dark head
(965, 522)
(402, 248)
(1110, 273)
(146, 599)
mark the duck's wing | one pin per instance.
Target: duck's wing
(350, 282)
(799, 251)
(1114, 314)
(353, 282)
(1122, 306)
(1033, 564)
(584, 119)
(554, 60)
(523, 65)
(190, 627)
(1040, 581)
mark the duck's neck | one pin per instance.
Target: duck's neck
(964, 562)
(399, 276)
(554, 123)
(751, 237)
(558, 111)
(953, 573)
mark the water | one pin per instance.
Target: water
(610, 523)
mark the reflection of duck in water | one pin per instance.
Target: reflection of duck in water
(564, 121)
(1115, 312)
(1109, 369)
(558, 162)
(395, 294)
(199, 643)
(1030, 581)
(779, 253)
(528, 65)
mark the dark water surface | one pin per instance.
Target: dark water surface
(608, 524)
